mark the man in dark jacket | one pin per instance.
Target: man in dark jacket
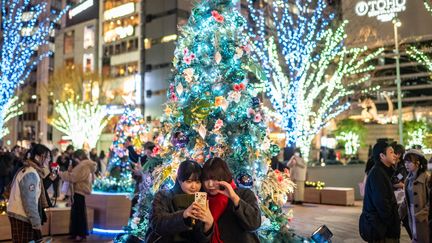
(379, 221)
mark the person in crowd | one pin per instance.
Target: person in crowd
(65, 159)
(66, 163)
(27, 198)
(104, 161)
(400, 172)
(55, 154)
(417, 188)
(139, 161)
(94, 157)
(52, 179)
(172, 219)
(135, 157)
(276, 164)
(81, 176)
(379, 220)
(398, 180)
(86, 148)
(235, 211)
(298, 171)
(19, 154)
(6, 168)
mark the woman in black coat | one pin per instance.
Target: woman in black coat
(235, 211)
(175, 217)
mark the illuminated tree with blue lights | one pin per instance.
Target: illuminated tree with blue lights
(24, 31)
(306, 65)
(213, 110)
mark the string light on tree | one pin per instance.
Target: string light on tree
(428, 5)
(415, 133)
(311, 90)
(20, 52)
(352, 142)
(12, 109)
(420, 57)
(82, 121)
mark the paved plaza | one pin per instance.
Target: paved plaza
(342, 221)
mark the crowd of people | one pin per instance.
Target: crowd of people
(34, 179)
(397, 192)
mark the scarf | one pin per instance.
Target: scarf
(217, 205)
(43, 202)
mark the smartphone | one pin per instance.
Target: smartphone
(322, 235)
(201, 198)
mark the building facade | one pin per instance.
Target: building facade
(137, 46)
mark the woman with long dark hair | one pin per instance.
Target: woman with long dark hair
(416, 203)
(175, 217)
(235, 210)
(27, 198)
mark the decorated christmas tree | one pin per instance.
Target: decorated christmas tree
(213, 111)
(131, 130)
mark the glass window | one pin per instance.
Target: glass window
(88, 62)
(89, 36)
(69, 42)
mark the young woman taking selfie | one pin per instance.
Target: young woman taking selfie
(175, 217)
(235, 211)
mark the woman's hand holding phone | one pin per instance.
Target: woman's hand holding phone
(204, 214)
(191, 211)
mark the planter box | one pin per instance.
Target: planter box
(60, 220)
(338, 196)
(111, 211)
(312, 195)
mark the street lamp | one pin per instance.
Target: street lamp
(396, 24)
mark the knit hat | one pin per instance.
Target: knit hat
(418, 153)
(379, 148)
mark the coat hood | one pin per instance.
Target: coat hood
(90, 164)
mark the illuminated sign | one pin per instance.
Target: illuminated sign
(383, 10)
(119, 11)
(119, 33)
(80, 8)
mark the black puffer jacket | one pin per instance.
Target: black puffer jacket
(380, 218)
(240, 224)
(167, 224)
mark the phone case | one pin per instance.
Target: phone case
(201, 198)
